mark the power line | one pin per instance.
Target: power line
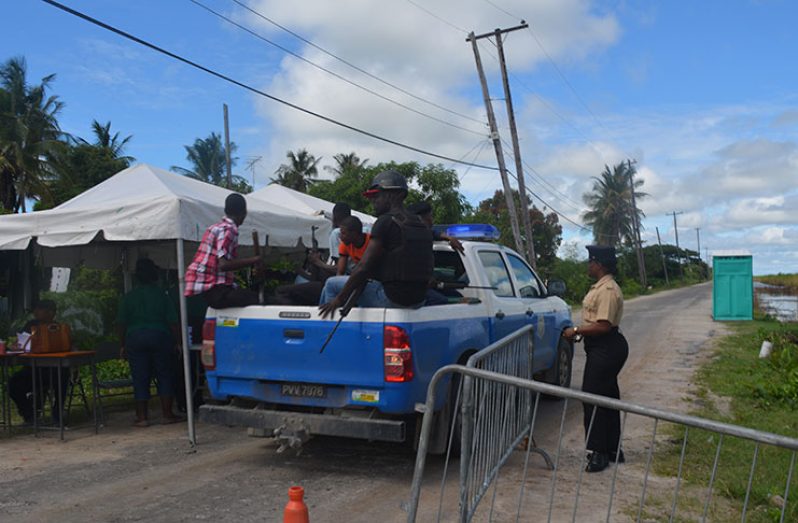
(328, 71)
(254, 90)
(547, 204)
(439, 18)
(548, 186)
(552, 62)
(354, 66)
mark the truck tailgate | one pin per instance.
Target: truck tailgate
(282, 344)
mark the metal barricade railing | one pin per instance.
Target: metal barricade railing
(482, 467)
(488, 405)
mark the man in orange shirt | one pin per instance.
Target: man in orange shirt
(353, 244)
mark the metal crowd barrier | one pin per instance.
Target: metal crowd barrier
(497, 417)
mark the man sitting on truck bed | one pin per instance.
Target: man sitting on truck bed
(211, 272)
(397, 265)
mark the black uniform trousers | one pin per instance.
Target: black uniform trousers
(606, 356)
(224, 296)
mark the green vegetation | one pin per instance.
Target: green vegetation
(762, 395)
(788, 281)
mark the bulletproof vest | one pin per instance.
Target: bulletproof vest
(411, 260)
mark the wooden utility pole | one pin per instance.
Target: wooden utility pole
(678, 250)
(227, 150)
(519, 168)
(497, 143)
(698, 240)
(641, 260)
(662, 255)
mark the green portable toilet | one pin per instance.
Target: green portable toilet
(732, 285)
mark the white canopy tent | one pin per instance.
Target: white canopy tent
(147, 211)
(275, 194)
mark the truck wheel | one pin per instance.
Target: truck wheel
(560, 373)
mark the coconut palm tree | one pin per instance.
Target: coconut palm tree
(610, 211)
(300, 173)
(208, 163)
(113, 143)
(28, 133)
(344, 163)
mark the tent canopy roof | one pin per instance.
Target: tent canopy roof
(276, 194)
(145, 203)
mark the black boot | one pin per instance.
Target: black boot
(598, 462)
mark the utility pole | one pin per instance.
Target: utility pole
(519, 168)
(698, 240)
(494, 135)
(227, 150)
(678, 250)
(641, 260)
(662, 255)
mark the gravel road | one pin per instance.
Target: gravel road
(128, 474)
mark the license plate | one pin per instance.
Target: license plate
(303, 390)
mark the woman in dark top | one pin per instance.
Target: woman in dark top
(147, 326)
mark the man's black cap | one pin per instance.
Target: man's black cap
(387, 181)
(603, 254)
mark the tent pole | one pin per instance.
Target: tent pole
(181, 278)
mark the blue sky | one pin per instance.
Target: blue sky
(702, 94)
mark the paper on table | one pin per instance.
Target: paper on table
(23, 341)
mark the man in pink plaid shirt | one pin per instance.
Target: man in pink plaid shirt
(211, 272)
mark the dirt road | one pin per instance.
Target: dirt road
(126, 474)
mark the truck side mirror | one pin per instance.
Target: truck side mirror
(556, 287)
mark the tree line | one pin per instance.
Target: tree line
(41, 163)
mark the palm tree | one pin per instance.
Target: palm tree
(610, 211)
(299, 173)
(103, 138)
(344, 163)
(28, 133)
(207, 158)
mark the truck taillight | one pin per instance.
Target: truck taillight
(398, 356)
(209, 330)
(208, 354)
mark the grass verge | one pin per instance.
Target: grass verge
(739, 388)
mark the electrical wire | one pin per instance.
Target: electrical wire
(439, 18)
(332, 73)
(226, 78)
(560, 73)
(354, 66)
(548, 186)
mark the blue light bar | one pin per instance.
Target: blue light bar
(473, 231)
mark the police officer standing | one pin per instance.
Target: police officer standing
(606, 350)
(397, 264)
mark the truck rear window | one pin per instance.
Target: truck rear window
(449, 268)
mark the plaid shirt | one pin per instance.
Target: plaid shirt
(219, 241)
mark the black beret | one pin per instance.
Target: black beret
(603, 254)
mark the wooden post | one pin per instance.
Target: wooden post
(227, 150)
(497, 146)
(519, 168)
(662, 255)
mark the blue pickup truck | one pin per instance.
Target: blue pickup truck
(265, 369)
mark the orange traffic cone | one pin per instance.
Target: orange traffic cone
(295, 510)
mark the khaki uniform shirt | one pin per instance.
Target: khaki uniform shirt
(604, 301)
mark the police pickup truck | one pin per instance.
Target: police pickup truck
(265, 370)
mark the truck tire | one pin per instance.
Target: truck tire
(560, 373)
(447, 422)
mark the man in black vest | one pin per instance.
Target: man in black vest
(398, 262)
